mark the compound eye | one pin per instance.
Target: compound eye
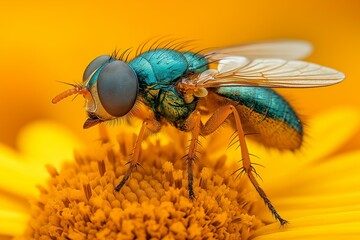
(117, 87)
(95, 64)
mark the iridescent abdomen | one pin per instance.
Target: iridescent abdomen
(266, 114)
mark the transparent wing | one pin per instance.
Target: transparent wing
(241, 71)
(284, 49)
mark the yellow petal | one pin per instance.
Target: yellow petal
(12, 223)
(46, 142)
(16, 176)
(330, 130)
(13, 203)
(301, 206)
(338, 175)
(344, 225)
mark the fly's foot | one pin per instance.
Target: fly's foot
(191, 191)
(250, 171)
(283, 221)
(127, 175)
(191, 179)
(121, 184)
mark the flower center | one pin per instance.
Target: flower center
(80, 202)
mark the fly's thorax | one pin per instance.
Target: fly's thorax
(165, 66)
(160, 66)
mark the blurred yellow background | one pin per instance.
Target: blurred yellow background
(43, 42)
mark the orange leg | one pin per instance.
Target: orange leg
(192, 124)
(149, 124)
(220, 115)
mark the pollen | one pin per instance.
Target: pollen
(79, 201)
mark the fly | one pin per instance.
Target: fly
(177, 87)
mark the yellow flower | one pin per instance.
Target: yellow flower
(316, 188)
(39, 143)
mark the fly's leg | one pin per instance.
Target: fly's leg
(192, 124)
(149, 124)
(220, 115)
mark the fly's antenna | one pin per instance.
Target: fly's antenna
(76, 90)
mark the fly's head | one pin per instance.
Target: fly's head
(110, 89)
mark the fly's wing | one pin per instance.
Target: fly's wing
(284, 49)
(241, 71)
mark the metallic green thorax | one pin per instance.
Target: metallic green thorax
(158, 71)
